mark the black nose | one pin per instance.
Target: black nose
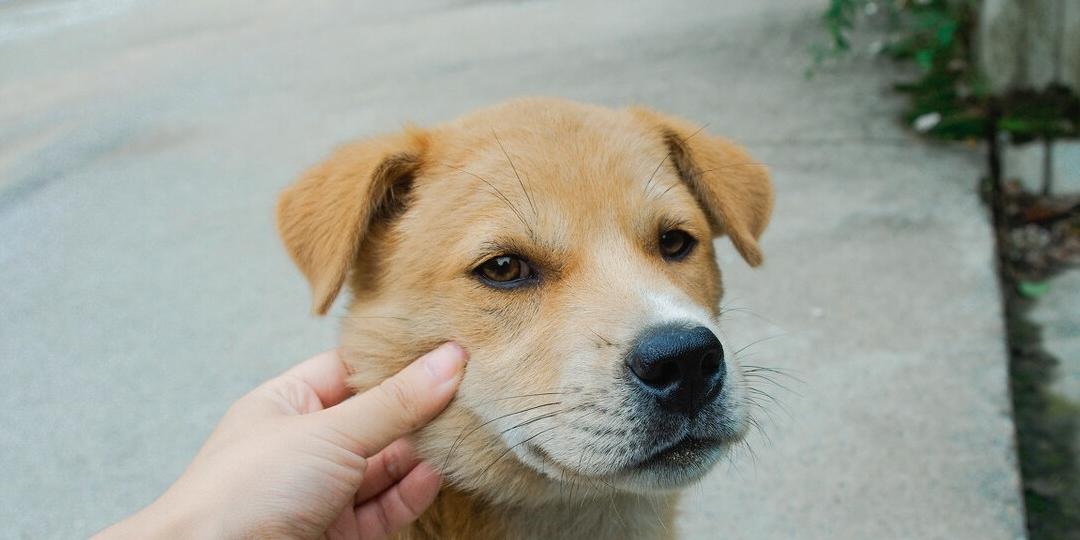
(682, 368)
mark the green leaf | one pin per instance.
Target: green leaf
(1032, 289)
(925, 58)
(945, 33)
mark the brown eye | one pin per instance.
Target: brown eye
(505, 271)
(676, 245)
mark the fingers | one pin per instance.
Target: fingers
(385, 469)
(312, 385)
(399, 505)
(401, 404)
(325, 373)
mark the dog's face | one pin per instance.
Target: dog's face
(568, 248)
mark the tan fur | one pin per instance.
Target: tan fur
(579, 190)
(732, 187)
(323, 217)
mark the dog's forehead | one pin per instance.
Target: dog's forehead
(552, 163)
(549, 137)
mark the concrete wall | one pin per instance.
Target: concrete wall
(1029, 43)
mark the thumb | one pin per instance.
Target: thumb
(401, 404)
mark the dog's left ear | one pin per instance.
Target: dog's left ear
(732, 188)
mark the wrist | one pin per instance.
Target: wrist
(165, 518)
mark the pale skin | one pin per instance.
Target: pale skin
(299, 458)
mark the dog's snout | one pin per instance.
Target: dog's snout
(682, 368)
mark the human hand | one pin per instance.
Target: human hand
(298, 458)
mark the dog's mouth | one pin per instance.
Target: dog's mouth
(670, 466)
(649, 451)
(689, 453)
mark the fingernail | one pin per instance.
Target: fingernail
(445, 362)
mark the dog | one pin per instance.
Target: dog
(569, 248)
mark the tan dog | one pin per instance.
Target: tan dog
(569, 249)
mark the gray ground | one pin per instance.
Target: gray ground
(144, 289)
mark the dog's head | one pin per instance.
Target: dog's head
(569, 249)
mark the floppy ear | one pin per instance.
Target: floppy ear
(323, 217)
(732, 188)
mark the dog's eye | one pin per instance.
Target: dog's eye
(505, 271)
(676, 245)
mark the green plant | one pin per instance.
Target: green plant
(949, 99)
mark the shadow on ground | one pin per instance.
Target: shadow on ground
(1047, 426)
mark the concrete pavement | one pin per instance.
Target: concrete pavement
(144, 289)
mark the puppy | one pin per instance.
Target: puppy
(568, 248)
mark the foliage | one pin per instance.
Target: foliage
(926, 31)
(949, 99)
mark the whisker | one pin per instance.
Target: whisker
(749, 368)
(508, 450)
(762, 340)
(659, 515)
(694, 134)
(755, 403)
(753, 455)
(762, 393)
(514, 168)
(733, 462)
(744, 311)
(770, 397)
(615, 507)
(501, 196)
(769, 380)
(534, 420)
(757, 425)
(656, 170)
(361, 317)
(581, 458)
(602, 338)
(734, 166)
(662, 193)
(464, 436)
(522, 396)
(591, 486)
(668, 155)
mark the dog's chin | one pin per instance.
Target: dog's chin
(660, 470)
(673, 467)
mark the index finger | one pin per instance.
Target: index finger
(325, 374)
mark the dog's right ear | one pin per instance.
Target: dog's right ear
(323, 217)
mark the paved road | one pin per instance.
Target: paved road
(144, 289)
